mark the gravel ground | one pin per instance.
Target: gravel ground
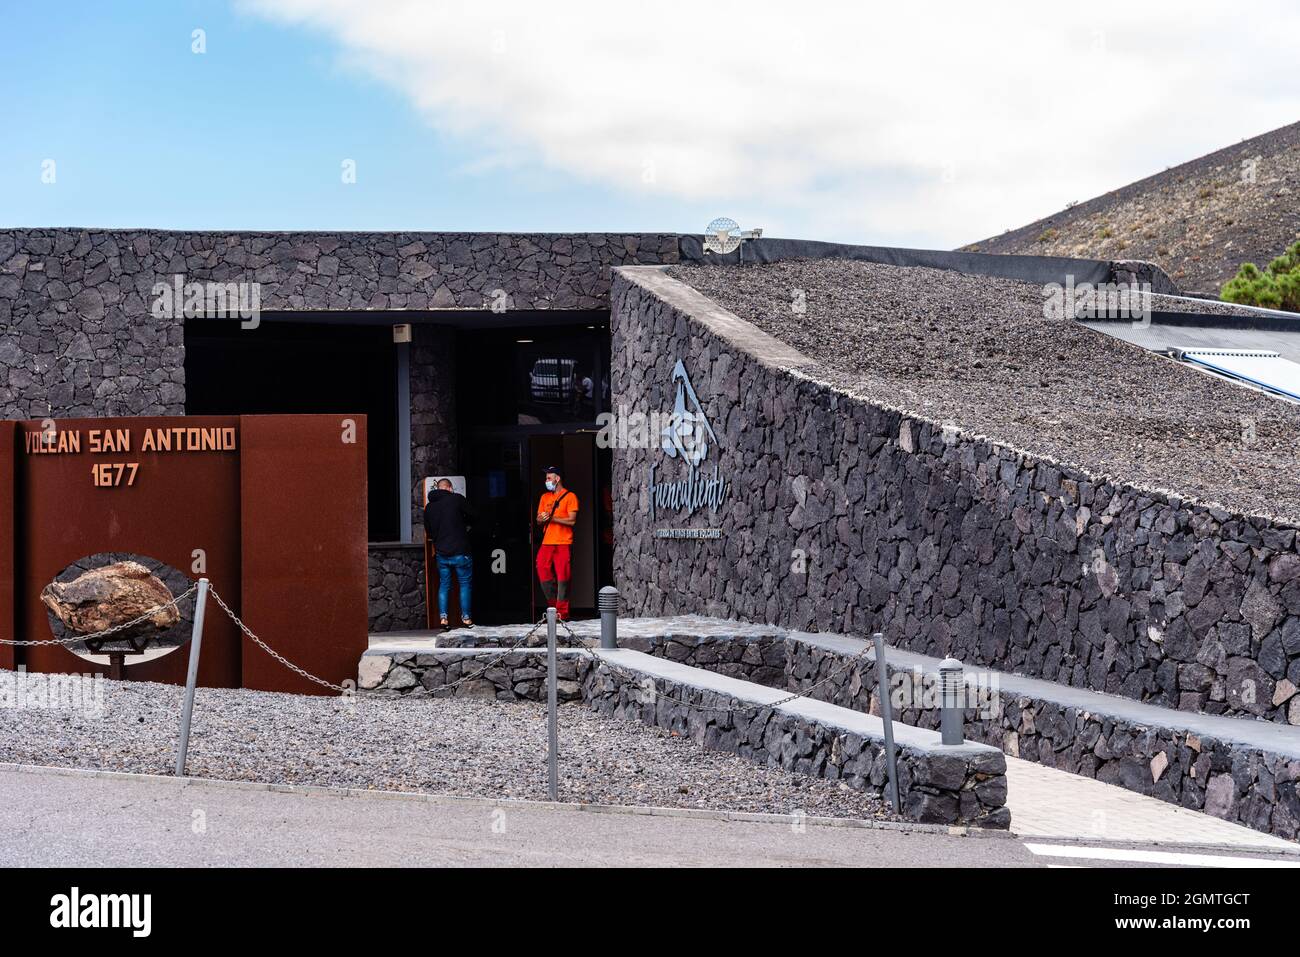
(978, 353)
(462, 746)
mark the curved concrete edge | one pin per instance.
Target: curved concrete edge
(426, 797)
(771, 352)
(738, 332)
(806, 708)
(1236, 849)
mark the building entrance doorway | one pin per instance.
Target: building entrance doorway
(529, 398)
(504, 480)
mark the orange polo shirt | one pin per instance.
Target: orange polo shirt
(557, 534)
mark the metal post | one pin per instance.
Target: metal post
(607, 602)
(552, 729)
(404, 491)
(887, 716)
(951, 712)
(192, 676)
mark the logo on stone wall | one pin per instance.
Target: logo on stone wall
(687, 437)
(688, 431)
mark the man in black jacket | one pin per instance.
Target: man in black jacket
(447, 517)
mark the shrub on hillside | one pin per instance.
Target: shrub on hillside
(1277, 287)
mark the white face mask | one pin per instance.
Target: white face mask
(550, 486)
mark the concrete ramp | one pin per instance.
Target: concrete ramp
(959, 785)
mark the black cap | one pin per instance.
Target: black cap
(553, 468)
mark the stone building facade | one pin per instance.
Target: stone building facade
(80, 335)
(845, 516)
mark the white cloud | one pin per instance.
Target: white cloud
(852, 121)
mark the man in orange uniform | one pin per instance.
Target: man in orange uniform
(557, 513)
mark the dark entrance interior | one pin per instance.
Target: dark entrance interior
(504, 481)
(303, 367)
(529, 390)
(528, 398)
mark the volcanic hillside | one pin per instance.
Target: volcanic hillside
(1199, 221)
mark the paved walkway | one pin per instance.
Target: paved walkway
(1046, 802)
(696, 626)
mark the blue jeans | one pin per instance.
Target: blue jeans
(463, 566)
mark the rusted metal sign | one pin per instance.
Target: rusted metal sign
(272, 509)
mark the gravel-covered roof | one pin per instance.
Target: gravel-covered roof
(978, 353)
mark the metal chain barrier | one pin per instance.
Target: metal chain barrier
(630, 677)
(426, 692)
(341, 689)
(572, 641)
(421, 692)
(94, 636)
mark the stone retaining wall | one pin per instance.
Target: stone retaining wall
(396, 587)
(1232, 781)
(936, 785)
(1247, 785)
(517, 675)
(757, 658)
(748, 652)
(845, 516)
(963, 785)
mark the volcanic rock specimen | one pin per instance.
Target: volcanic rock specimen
(108, 596)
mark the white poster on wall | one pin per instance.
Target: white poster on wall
(457, 485)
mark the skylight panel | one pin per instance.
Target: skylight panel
(1259, 367)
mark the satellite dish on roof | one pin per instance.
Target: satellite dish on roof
(723, 236)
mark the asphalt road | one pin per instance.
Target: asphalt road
(58, 819)
(63, 818)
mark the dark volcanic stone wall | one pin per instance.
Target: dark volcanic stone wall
(936, 785)
(78, 337)
(1233, 781)
(1230, 780)
(949, 545)
(396, 587)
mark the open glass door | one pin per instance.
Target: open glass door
(501, 536)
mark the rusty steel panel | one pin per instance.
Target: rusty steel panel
(303, 494)
(8, 620)
(176, 504)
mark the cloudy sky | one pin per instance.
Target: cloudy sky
(909, 124)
